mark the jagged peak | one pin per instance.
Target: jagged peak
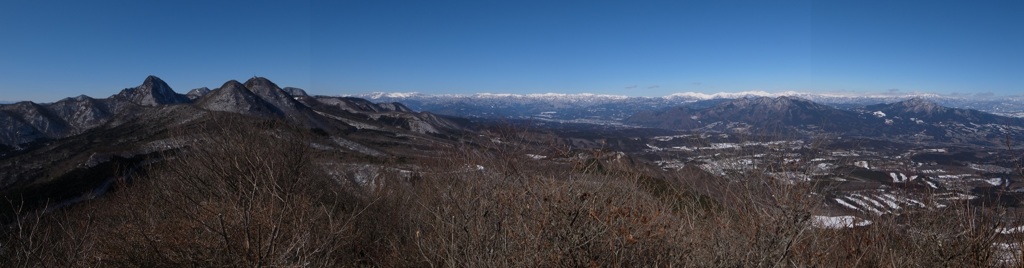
(152, 79)
(152, 92)
(156, 86)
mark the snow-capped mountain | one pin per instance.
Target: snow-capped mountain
(547, 105)
(911, 120)
(617, 107)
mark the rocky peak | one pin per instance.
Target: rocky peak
(152, 92)
(153, 81)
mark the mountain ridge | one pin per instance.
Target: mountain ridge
(26, 122)
(908, 120)
(617, 106)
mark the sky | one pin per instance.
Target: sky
(55, 49)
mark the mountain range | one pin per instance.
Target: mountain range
(616, 107)
(912, 120)
(909, 118)
(26, 122)
(55, 151)
(60, 150)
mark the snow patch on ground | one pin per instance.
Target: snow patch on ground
(838, 222)
(845, 204)
(1013, 230)
(536, 156)
(856, 198)
(890, 201)
(1008, 254)
(879, 203)
(901, 178)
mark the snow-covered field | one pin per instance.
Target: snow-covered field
(879, 202)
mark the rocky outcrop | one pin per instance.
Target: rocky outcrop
(152, 92)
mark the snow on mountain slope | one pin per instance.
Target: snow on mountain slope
(601, 105)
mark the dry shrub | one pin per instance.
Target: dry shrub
(61, 238)
(241, 195)
(248, 194)
(458, 215)
(956, 237)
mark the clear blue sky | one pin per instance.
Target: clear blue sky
(50, 49)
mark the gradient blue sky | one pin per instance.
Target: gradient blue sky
(55, 49)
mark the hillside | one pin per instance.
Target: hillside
(54, 152)
(252, 174)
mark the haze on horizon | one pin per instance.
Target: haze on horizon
(53, 50)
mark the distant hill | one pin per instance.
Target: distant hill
(614, 108)
(910, 120)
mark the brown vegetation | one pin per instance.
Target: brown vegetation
(257, 195)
